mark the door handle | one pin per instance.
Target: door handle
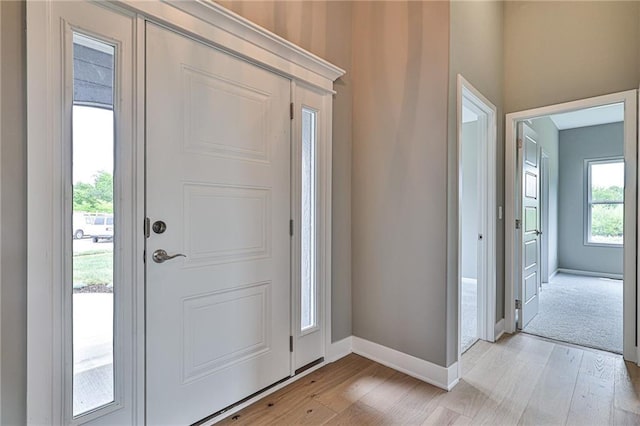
(161, 256)
(538, 232)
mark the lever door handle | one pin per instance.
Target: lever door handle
(538, 232)
(161, 256)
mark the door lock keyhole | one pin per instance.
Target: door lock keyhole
(159, 227)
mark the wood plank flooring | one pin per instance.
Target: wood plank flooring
(520, 380)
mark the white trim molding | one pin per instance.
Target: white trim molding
(1, 223)
(443, 377)
(631, 324)
(498, 329)
(487, 215)
(339, 349)
(214, 24)
(590, 273)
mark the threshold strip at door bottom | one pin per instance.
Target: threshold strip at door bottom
(242, 401)
(308, 366)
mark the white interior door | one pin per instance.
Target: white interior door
(530, 225)
(218, 176)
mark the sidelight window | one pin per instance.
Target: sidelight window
(93, 222)
(308, 237)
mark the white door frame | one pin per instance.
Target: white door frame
(512, 274)
(487, 250)
(544, 217)
(208, 22)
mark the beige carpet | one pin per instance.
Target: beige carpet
(586, 311)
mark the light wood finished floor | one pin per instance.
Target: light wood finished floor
(519, 380)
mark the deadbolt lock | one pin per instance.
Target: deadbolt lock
(159, 227)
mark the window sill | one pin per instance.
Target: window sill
(588, 244)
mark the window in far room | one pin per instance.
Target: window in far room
(605, 202)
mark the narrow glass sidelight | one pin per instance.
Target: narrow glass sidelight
(309, 306)
(93, 224)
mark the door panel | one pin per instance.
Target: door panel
(218, 175)
(530, 289)
(530, 229)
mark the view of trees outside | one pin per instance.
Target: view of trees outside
(607, 198)
(93, 199)
(96, 196)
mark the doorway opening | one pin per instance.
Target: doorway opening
(476, 221)
(573, 243)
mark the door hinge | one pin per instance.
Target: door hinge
(518, 304)
(290, 343)
(291, 227)
(291, 110)
(519, 143)
(517, 223)
(144, 256)
(147, 227)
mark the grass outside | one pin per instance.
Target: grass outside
(93, 268)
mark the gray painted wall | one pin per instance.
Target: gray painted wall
(548, 135)
(476, 31)
(469, 208)
(576, 145)
(559, 51)
(399, 177)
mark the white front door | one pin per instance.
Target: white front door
(530, 225)
(218, 178)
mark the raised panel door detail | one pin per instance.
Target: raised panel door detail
(530, 185)
(209, 345)
(211, 103)
(530, 287)
(219, 175)
(226, 223)
(531, 151)
(530, 219)
(530, 254)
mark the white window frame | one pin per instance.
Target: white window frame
(314, 238)
(49, 190)
(588, 202)
(316, 338)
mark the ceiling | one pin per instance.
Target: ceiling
(589, 117)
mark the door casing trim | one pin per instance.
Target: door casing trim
(512, 275)
(488, 145)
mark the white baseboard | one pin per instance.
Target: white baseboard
(339, 349)
(442, 377)
(498, 330)
(553, 274)
(591, 273)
